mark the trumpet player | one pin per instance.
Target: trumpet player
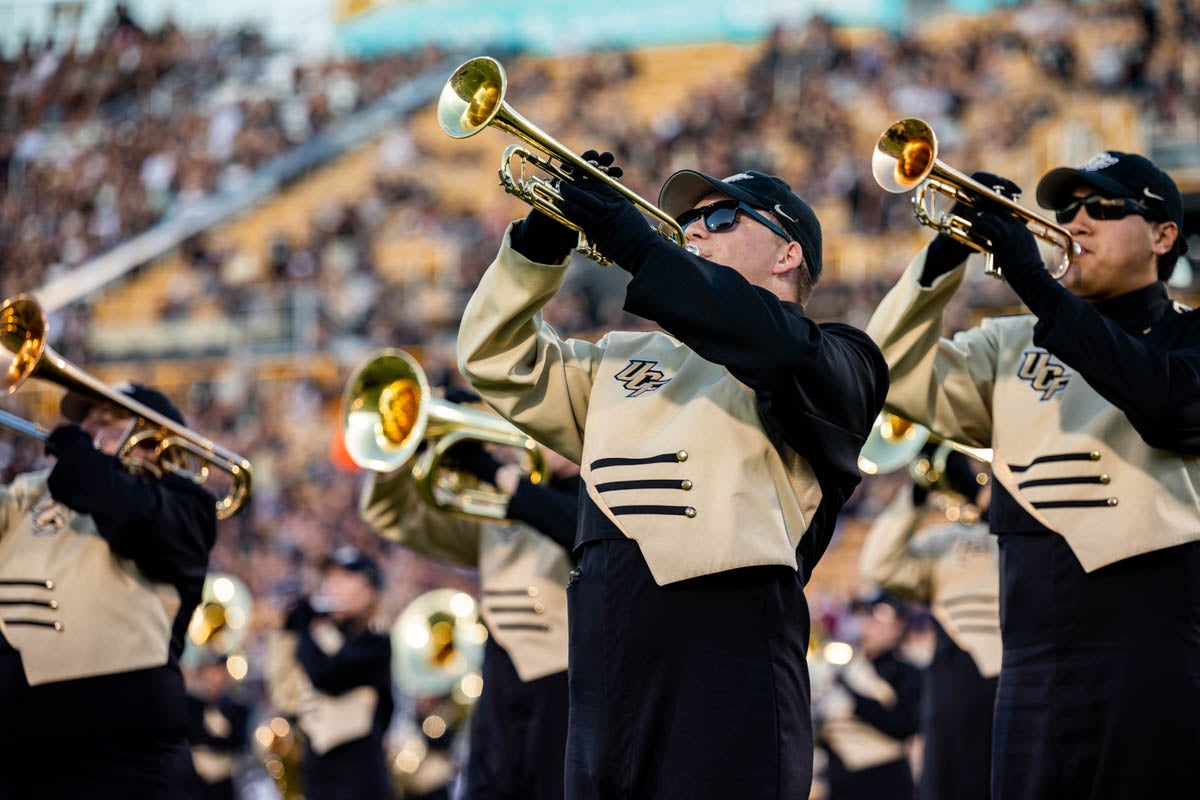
(715, 457)
(1090, 404)
(952, 566)
(346, 678)
(519, 724)
(100, 569)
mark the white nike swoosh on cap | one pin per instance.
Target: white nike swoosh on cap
(784, 214)
(1146, 191)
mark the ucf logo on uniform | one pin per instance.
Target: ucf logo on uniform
(641, 377)
(48, 517)
(1043, 373)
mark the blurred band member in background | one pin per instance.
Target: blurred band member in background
(519, 724)
(348, 668)
(100, 570)
(865, 722)
(1090, 404)
(954, 567)
(715, 458)
(218, 728)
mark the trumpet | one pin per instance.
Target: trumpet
(473, 98)
(179, 450)
(894, 442)
(906, 157)
(388, 411)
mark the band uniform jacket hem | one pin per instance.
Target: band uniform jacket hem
(58, 576)
(666, 493)
(1069, 457)
(522, 573)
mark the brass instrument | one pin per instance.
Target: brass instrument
(437, 646)
(388, 411)
(23, 333)
(221, 621)
(929, 472)
(894, 442)
(905, 158)
(473, 98)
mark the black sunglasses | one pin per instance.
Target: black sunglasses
(1103, 208)
(722, 215)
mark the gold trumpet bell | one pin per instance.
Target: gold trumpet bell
(904, 155)
(385, 411)
(893, 443)
(23, 336)
(472, 97)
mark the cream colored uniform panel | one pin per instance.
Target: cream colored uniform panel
(327, 720)
(953, 568)
(1069, 457)
(858, 744)
(71, 607)
(517, 362)
(643, 398)
(523, 581)
(390, 505)
(333, 720)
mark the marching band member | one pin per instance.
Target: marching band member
(715, 457)
(519, 724)
(100, 569)
(871, 711)
(218, 728)
(345, 668)
(954, 567)
(1090, 404)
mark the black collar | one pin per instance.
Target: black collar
(1139, 309)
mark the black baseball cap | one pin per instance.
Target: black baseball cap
(75, 406)
(687, 187)
(876, 597)
(349, 559)
(1117, 174)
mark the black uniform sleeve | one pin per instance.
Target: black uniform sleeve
(550, 510)
(822, 385)
(357, 663)
(167, 526)
(1158, 388)
(901, 720)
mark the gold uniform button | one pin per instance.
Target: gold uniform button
(689, 512)
(538, 608)
(53, 604)
(681, 455)
(533, 591)
(49, 584)
(1112, 501)
(58, 626)
(685, 485)
(1105, 479)
(1094, 455)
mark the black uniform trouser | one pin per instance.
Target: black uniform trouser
(695, 690)
(890, 781)
(518, 733)
(1099, 695)
(956, 721)
(100, 770)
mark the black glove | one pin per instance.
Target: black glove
(611, 222)
(919, 495)
(546, 241)
(300, 616)
(471, 457)
(945, 253)
(67, 439)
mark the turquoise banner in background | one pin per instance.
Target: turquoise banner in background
(556, 27)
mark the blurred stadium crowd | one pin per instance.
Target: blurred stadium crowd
(97, 147)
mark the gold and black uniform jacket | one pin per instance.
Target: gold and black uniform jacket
(522, 573)
(69, 605)
(954, 568)
(677, 452)
(1074, 461)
